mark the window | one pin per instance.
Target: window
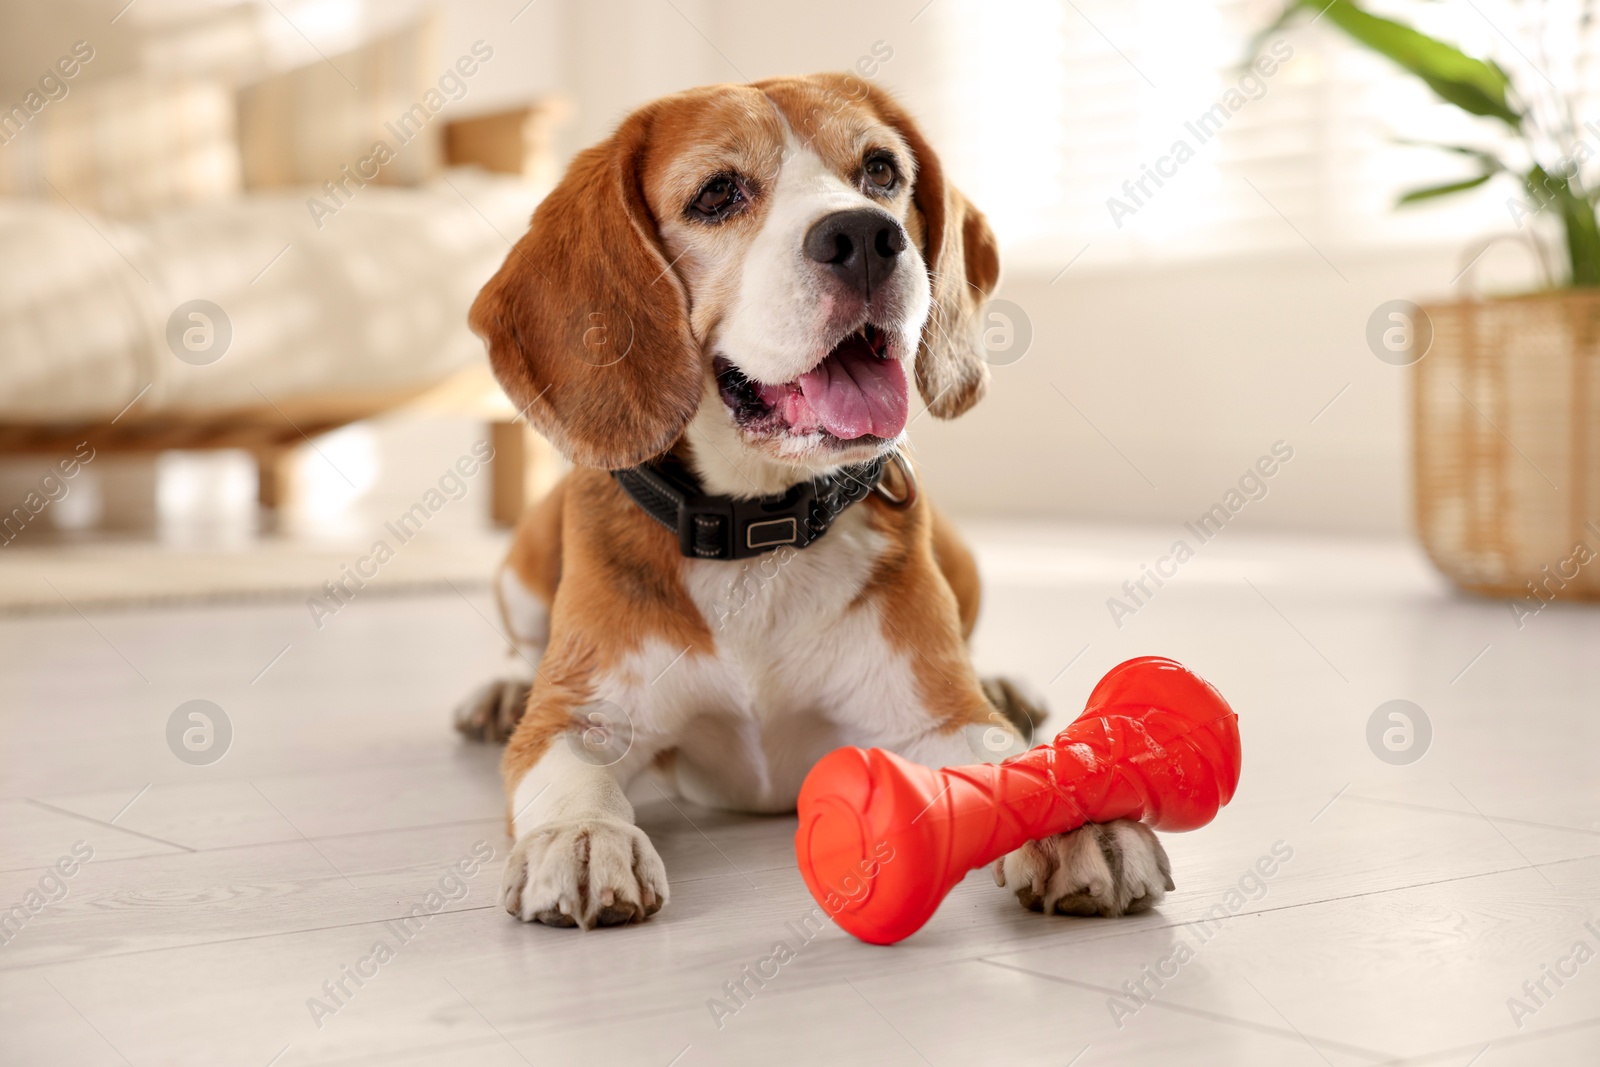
(1130, 125)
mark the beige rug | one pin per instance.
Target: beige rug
(64, 577)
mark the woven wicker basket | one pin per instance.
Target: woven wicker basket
(1506, 444)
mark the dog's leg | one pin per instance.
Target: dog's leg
(958, 568)
(491, 712)
(1109, 869)
(525, 587)
(578, 860)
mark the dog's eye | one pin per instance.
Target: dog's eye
(717, 197)
(880, 172)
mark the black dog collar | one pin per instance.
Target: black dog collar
(725, 527)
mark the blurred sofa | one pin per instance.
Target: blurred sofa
(188, 263)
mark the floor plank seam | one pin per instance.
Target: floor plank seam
(1457, 1051)
(215, 849)
(234, 940)
(108, 825)
(1420, 885)
(416, 1052)
(35, 869)
(1354, 1050)
(339, 773)
(1471, 814)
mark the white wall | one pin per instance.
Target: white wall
(610, 56)
(1190, 372)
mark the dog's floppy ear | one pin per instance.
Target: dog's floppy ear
(963, 267)
(586, 323)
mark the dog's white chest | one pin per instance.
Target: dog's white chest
(801, 667)
(769, 614)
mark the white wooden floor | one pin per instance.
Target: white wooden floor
(220, 898)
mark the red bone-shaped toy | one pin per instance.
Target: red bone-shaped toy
(882, 840)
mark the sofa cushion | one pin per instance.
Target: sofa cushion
(373, 301)
(128, 147)
(301, 127)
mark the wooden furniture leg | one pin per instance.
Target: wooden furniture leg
(525, 468)
(275, 478)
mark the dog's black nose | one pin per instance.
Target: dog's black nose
(860, 246)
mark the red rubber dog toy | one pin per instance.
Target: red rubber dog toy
(882, 840)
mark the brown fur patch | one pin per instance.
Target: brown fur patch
(960, 570)
(621, 586)
(535, 556)
(586, 316)
(921, 616)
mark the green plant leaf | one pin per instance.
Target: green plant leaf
(1470, 84)
(1489, 160)
(1577, 222)
(1431, 191)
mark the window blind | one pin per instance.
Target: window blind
(1055, 113)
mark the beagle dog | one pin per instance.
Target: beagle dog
(715, 316)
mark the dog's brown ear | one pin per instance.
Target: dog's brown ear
(586, 323)
(963, 267)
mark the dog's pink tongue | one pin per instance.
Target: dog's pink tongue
(854, 393)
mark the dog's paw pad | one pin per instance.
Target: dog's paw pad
(1109, 869)
(587, 872)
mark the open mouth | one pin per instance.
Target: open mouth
(857, 390)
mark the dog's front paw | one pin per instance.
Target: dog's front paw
(1109, 869)
(587, 872)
